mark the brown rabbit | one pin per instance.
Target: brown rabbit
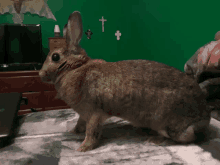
(146, 93)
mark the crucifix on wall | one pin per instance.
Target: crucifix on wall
(88, 33)
(103, 20)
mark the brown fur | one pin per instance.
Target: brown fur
(146, 93)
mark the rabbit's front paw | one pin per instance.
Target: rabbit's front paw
(87, 145)
(93, 133)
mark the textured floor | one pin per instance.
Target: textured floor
(43, 138)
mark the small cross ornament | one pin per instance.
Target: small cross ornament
(118, 34)
(103, 20)
(88, 33)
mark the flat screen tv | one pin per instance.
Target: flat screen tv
(20, 44)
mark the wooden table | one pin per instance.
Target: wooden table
(36, 94)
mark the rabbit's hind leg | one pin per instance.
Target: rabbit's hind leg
(187, 136)
(192, 132)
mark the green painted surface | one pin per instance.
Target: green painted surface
(166, 31)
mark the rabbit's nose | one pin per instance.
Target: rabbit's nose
(44, 77)
(42, 73)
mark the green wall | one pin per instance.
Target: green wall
(166, 31)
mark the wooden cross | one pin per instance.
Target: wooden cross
(103, 20)
(118, 34)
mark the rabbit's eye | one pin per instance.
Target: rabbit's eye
(55, 57)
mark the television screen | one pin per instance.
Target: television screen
(20, 44)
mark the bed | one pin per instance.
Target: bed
(43, 138)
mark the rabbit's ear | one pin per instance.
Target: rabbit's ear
(74, 30)
(64, 31)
